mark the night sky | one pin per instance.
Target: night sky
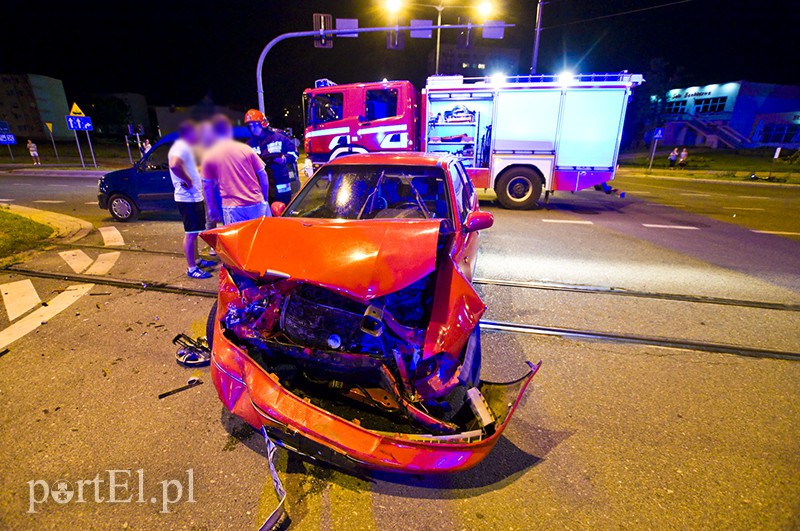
(175, 52)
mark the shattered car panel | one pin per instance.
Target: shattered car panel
(356, 337)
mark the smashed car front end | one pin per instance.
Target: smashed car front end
(367, 354)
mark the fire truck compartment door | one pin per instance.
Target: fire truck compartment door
(590, 127)
(526, 120)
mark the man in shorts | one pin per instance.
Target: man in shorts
(34, 153)
(189, 196)
(238, 173)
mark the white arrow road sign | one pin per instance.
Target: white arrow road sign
(33, 320)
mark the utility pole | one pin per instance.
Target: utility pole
(439, 8)
(537, 30)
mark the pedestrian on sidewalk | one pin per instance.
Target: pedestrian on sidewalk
(34, 153)
(238, 173)
(146, 147)
(673, 158)
(682, 160)
(189, 196)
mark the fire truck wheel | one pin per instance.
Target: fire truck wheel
(519, 188)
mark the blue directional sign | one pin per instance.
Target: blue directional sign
(658, 134)
(4, 128)
(7, 139)
(79, 123)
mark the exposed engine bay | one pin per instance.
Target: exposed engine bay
(363, 361)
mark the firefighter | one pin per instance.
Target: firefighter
(278, 153)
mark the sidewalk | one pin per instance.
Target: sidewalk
(642, 173)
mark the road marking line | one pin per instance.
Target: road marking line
(679, 227)
(21, 184)
(111, 236)
(103, 264)
(777, 232)
(742, 208)
(665, 204)
(32, 321)
(639, 192)
(752, 197)
(48, 201)
(76, 259)
(90, 203)
(572, 221)
(60, 185)
(695, 195)
(19, 297)
(6, 200)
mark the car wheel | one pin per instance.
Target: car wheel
(519, 188)
(212, 316)
(122, 208)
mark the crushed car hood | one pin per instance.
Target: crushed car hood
(363, 258)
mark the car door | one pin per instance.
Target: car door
(465, 249)
(154, 188)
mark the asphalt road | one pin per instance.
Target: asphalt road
(609, 436)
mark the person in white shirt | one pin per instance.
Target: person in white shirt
(189, 196)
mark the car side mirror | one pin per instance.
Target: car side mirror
(277, 208)
(478, 220)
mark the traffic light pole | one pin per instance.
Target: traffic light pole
(538, 30)
(324, 33)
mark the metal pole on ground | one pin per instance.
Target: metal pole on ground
(11, 153)
(91, 149)
(652, 154)
(127, 145)
(77, 143)
(53, 140)
(439, 8)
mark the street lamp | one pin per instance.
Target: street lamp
(393, 7)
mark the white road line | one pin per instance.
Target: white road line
(111, 236)
(6, 200)
(695, 195)
(32, 321)
(743, 208)
(679, 227)
(76, 259)
(752, 197)
(48, 201)
(571, 221)
(19, 297)
(638, 192)
(103, 264)
(21, 184)
(90, 203)
(777, 232)
(60, 185)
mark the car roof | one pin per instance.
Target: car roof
(407, 158)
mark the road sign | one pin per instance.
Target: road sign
(75, 110)
(323, 21)
(7, 139)
(658, 134)
(49, 126)
(4, 128)
(79, 123)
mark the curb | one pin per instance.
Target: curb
(708, 181)
(68, 229)
(57, 173)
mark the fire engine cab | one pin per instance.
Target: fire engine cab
(519, 136)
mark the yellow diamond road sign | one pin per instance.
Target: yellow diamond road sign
(76, 111)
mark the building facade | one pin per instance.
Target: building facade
(474, 61)
(738, 114)
(27, 101)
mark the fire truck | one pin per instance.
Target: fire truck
(519, 136)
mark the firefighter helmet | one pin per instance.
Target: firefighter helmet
(254, 115)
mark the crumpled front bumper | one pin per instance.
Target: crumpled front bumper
(253, 394)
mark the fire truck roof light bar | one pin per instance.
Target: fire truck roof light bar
(323, 33)
(611, 77)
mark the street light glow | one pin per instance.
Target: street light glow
(393, 6)
(485, 9)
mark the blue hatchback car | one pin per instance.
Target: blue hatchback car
(145, 186)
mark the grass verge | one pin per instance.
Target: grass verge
(18, 234)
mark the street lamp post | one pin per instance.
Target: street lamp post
(536, 37)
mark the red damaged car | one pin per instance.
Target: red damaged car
(348, 326)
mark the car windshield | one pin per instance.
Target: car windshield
(343, 191)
